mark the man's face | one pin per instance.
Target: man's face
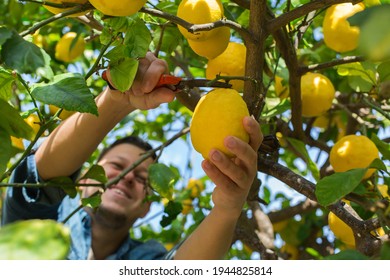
(125, 198)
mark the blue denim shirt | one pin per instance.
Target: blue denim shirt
(51, 203)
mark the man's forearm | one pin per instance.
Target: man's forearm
(211, 240)
(74, 140)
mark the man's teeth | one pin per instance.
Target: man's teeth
(119, 192)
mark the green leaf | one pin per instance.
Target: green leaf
(5, 150)
(357, 69)
(93, 201)
(378, 164)
(383, 147)
(347, 255)
(13, 123)
(68, 91)
(22, 55)
(384, 71)
(170, 38)
(275, 107)
(96, 172)
(385, 251)
(66, 184)
(123, 73)
(336, 186)
(162, 179)
(138, 39)
(374, 37)
(6, 80)
(34, 240)
(301, 148)
(5, 34)
(171, 211)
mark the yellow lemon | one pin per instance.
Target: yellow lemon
(34, 121)
(195, 186)
(69, 47)
(212, 46)
(281, 89)
(187, 206)
(64, 114)
(341, 230)
(384, 190)
(218, 114)
(290, 251)
(229, 63)
(55, 10)
(317, 94)
(118, 8)
(199, 12)
(339, 35)
(353, 151)
(17, 143)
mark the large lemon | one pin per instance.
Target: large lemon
(229, 63)
(199, 12)
(212, 46)
(55, 10)
(317, 93)
(339, 35)
(353, 151)
(69, 47)
(118, 8)
(341, 230)
(218, 114)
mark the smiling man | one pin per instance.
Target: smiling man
(103, 233)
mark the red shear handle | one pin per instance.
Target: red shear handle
(167, 79)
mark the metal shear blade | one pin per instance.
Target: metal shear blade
(180, 84)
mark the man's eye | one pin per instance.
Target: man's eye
(141, 179)
(116, 165)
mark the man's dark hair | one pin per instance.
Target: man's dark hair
(133, 140)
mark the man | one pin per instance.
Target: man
(104, 233)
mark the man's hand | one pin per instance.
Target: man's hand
(234, 177)
(143, 95)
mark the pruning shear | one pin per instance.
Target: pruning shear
(180, 84)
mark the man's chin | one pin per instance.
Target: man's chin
(110, 216)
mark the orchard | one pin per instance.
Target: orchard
(314, 74)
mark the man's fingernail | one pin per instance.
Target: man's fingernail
(230, 142)
(215, 156)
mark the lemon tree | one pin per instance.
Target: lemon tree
(339, 35)
(118, 7)
(353, 151)
(69, 47)
(218, 114)
(317, 94)
(235, 55)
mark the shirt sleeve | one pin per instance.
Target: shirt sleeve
(23, 203)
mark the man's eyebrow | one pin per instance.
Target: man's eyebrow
(138, 167)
